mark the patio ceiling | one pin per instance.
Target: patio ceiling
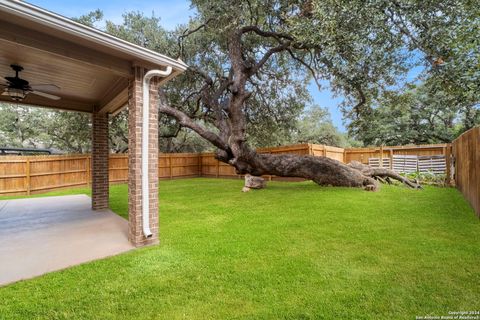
(91, 68)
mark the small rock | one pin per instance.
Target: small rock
(254, 182)
(246, 189)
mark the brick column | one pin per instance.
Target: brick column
(99, 169)
(135, 160)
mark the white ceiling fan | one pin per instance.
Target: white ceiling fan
(18, 88)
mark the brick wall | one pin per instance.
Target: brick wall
(135, 160)
(99, 165)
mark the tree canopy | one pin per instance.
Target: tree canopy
(251, 61)
(364, 49)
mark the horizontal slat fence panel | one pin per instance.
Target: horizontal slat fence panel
(466, 153)
(375, 162)
(405, 163)
(363, 154)
(434, 164)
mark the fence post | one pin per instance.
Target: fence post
(448, 153)
(28, 180)
(200, 165)
(381, 156)
(87, 171)
(391, 158)
(170, 165)
(62, 171)
(218, 168)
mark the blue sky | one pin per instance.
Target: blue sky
(171, 13)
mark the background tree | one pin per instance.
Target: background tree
(19, 126)
(444, 100)
(315, 126)
(419, 114)
(69, 132)
(29, 127)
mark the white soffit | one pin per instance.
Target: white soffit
(90, 37)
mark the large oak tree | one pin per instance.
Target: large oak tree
(250, 62)
(240, 50)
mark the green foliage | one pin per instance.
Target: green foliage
(362, 48)
(28, 127)
(18, 126)
(90, 18)
(315, 126)
(429, 177)
(420, 114)
(445, 100)
(142, 30)
(118, 132)
(278, 96)
(291, 251)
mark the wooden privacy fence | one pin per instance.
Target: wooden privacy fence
(36, 174)
(434, 158)
(466, 151)
(24, 175)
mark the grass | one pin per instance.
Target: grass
(291, 251)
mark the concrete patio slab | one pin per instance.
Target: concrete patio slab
(41, 235)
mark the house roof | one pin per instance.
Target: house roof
(91, 67)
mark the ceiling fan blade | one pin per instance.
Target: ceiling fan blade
(45, 86)
(46, 95)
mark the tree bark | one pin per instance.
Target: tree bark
(383, 174)
(322, 170)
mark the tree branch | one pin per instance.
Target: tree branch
(281, 47)
(201, 73)
(185, 121)
(266, 34)
(188, 32)
(306, 65)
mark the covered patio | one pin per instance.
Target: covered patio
(41, 235)
(82, 69)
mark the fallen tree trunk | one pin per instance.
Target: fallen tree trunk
(233, 150)
(322, 170)
(384, 174)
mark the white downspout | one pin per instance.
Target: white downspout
(145, 142)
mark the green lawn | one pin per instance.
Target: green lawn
(291, 251)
